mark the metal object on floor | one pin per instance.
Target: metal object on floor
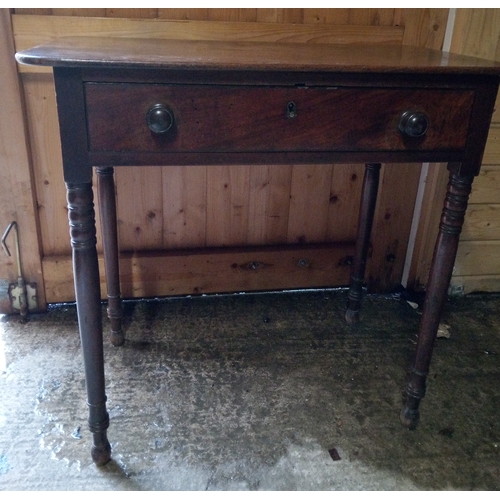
(22, 295)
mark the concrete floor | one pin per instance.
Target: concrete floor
(250, 392)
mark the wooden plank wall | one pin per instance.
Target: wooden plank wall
(16, 187)
(194, 209)
(477, 268)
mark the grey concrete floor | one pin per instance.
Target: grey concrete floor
(255, 392)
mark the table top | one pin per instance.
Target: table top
(252, 56)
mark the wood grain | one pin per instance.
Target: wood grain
(212, 271)
(492, 150)
(482, 222)
(309, 203)
(269, 204)
(424, 27)
(253, 119)
(345, 193)
(227, 205)
(184, 207)
(139, 203)
(43, 123)
(428, 226)
(485, 188)
(32, 30)
(394, 211)
(17, 196)
(476, 258)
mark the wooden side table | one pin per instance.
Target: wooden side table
(166, 102)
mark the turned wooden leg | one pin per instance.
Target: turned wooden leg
(366, 212)
(88, 302)
(452, 219)
(107, 209)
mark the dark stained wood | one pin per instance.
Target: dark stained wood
(72, 125)
(482, 112)
(263, 56)
(135, 159)
(86, 271)
(254, 119)
(452, 219)
(239, 116)
(107, 209)
(366, 213)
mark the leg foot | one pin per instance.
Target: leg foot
(410, 415)
(351, 316)
(101, 454)
(117, 336)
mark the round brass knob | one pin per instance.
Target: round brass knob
(160, 119)
(413, 123)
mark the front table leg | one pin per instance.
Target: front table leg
(445, 251)
(88, 302)
(366, 213)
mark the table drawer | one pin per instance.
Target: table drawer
(204, 118)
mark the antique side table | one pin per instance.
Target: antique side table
(170, 102)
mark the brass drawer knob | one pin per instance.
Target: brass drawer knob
(413, 123)
(160, 119)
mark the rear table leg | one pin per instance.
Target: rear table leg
(366, 213)
(107, 209)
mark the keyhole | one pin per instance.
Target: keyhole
(291, 110)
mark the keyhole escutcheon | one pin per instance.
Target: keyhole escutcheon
(291, 110)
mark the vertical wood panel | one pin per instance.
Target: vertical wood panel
(184, 14)
(345, 193)
(309, 203)
(393, 217)
(139, 203)
(40, 12)
(16, 186)
(428, 225)
(291, 16)
(227, 205)
(243, 15)
(47, 162)
(424, 27)
(326, 16)
(476, 32)
(184, 206)
(79, 12)
(269, 204)
(132, 13)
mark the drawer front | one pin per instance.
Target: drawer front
(205, 118)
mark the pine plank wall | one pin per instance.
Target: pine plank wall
(296, 223)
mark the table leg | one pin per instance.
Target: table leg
(365, 222)
(107, 210)
(88, 301)
(452, 219)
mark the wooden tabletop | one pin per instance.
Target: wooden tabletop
(256, 56)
